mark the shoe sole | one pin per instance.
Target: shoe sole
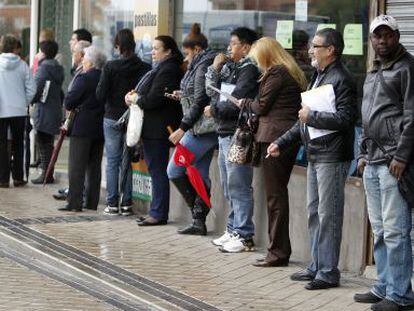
(59, 198)
(246, 249)
(369, 300)
(321, 288)
(111, 213)
(219, 245)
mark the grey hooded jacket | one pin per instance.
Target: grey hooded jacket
(17, 86)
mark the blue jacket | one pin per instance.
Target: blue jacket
(88, 120)
(17, 86)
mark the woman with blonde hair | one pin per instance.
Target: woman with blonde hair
(277, 107)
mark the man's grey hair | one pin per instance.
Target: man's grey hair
(332, 37)
(80, 46)
(95, 56)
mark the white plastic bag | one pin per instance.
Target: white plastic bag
(134, 128)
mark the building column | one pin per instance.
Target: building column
(34, 28)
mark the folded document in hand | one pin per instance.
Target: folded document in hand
(319, 99)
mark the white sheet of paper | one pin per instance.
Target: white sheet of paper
(226, 87)
(319, 99)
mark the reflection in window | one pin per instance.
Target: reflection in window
(15, 19)
(300, 20)
(103, 18)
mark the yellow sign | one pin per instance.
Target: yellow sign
(284, 33)
(353, 39)
(150, 19)
(322, 26)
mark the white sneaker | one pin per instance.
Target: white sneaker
(237, 244)
(223, 239)
(111, 210)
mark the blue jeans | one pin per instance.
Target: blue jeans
(390, 219)
(114, 144)
(325, 204)
(236, 181)
(203, 148)
(156, 153)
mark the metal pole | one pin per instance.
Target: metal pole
(34, 28)
(76, 14)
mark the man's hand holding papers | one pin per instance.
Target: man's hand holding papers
(318, 99)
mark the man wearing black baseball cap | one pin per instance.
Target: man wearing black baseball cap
(387, 148)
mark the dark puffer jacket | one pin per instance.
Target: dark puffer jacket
(194, 97)
(389, 118)
(337, 146)
(244, 75)
(118, 78)
(48, 116)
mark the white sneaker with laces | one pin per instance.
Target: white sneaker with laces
(111, 210)
(221, 240)
(237, 244)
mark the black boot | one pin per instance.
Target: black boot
(185, 188)
(198, 227)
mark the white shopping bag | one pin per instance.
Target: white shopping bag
(134, 128)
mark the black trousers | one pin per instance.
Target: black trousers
(17, 127)
(85, 157)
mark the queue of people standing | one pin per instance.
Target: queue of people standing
(178, 93)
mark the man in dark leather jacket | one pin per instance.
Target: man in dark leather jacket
(329, 159)
(388, 121)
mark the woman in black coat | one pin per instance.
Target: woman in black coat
(86, 138)
(159, 113)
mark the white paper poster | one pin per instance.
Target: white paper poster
(284, 33)
(353, 39)
(301, 10)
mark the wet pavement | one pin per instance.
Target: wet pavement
(51, 260)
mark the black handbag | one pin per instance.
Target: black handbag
(406, 182)
(243, 148)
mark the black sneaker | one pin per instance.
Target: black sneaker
(126, 208)
(319, 284)
(303, 275)
(368, 297)
(388, 305)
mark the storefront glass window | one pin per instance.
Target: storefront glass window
(103, 18)
(292, 22)
(15, 19)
